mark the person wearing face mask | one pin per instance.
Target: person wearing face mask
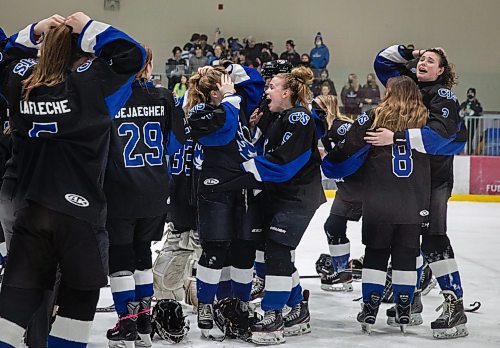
(370, 93)
(320, 55)
(351, 97)
(443, 136)
(471, 107)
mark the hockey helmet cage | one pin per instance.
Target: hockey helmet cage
(274, 67)
(324, 266)
(169, 322)
(231, 315)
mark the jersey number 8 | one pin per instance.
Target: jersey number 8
(153, 138)
(402, 163)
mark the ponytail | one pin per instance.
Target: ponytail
(201, 86)
(298, 82)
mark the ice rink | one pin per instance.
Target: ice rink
(474, 230)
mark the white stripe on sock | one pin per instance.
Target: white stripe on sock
(120, 284)
(225, 274)
(208, 275)
(420, 261)
(71, 329)
(404, 277)
(295, 279)
(278, 283)
(259, 256)
(243, 276)
(373, 276)
(292, 255)
(443, 267)
(10, 333)
(340, 249)
(143, 277)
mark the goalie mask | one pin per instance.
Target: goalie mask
(169, 322)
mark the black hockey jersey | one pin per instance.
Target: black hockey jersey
(289, 166)
(64, 130)
(395, 178)
(136, 183)
(445, 133)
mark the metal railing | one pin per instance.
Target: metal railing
(483, 135)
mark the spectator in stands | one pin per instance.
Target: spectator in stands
(252, 50)
(323, 79)
(198, 60)
(215, 59)
(265, 56)
(175, 67)
(370, 93)
(470, 108)
(189, 46)
(181, 87)
(351, 97)
(290, 54)
(320, 55)
(325, 89)
(270, 46)
(305, 60)
(208, 50)
(176, 57)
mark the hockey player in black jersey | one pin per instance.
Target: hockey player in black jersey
(289, 169)
(399, 177)
(61, 109)
(346, 205)
(137, 174)
(443, 136)
(217, 118)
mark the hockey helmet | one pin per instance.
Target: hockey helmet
(232, 317)
(169, 322)
(274, 67)
(324, 266)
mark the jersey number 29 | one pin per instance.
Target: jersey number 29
(152, 137)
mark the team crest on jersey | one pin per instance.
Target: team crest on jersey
(196, 108)
(445, 112)
(300, 116)
(23, 66)
(85, 66)
(343, 129)
(77, 200)
(363, 118)
(446, 93)
(286, 136)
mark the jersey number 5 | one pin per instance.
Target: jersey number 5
(402, 163)
(153, 138)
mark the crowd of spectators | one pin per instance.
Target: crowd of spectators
(198, 53)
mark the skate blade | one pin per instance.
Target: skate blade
(268, 338)
(366, 328)
(143, 340)
(454, 332)
(121, 344)
(432, 285)
(416, 319)
(402, 327)
(298, 329)
(345, 287)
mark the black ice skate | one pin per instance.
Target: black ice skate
(124, 334)
(403, 311)
(368, 313)
(270, 330)
(451, 322)
(205, 318)
(341, 281)
(258, 285)
(144, 327)
(427, 282)
(297, 321)
(416, 312)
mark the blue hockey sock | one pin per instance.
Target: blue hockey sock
(340, 254)
(372, 281)
(143, 284)
(241, 281)
(207, 282)
(123, 290)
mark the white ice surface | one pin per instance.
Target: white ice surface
(474, 230)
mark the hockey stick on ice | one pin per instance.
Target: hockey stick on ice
(473, 307)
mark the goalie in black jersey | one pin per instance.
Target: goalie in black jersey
(137, 174)
(395, 197)
(61, 109)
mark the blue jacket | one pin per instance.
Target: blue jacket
(320, 57)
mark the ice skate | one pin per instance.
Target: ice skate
(297, 321)
(144, 328)
(416, 312)
(205, 318)
(403, 311)
(451, 322)
(124, 334)
(270, 330)
(368, 314)
(338, 282)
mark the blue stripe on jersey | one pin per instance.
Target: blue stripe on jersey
(24, 39)
(345, 168)
(265, 170)
(427, 140)
(227, 132)
(387, 62)
(56, 342)
(115, 101)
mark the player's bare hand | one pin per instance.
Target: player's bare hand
(380, 137)
(77, 21)
(226, 86)
(203, 70)
(45, 24)
(255, 118)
